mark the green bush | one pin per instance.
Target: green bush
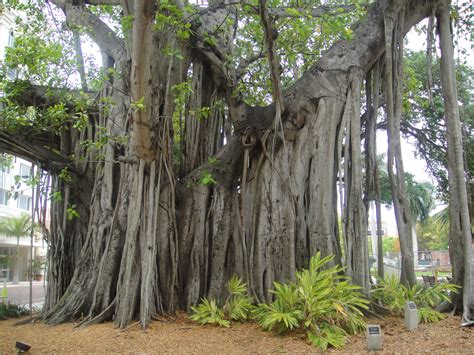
(393, 295)
(9, 310)
(429, 315)
(238, 306)
(207, 312)
(284, 313)
(320, 301)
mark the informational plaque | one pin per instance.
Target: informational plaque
(411, 315)
(374, 337)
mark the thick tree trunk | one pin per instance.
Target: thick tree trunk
(356, 218)
(378, 213)
(65, 240)
(372, 179)
(394, 32)
(460, 229)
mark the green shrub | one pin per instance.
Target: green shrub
(321, 301)
(393, 295)
(284, 313)
(9, 310)
(238, 306)
(328, 335)
(429, 315)
(207, 312)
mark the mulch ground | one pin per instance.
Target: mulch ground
(182, 336)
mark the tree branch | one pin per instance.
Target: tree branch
(285, 12)
(102, 35)
(323, 78)
(270, 36)
(239, 72)
(42, 149)
(361, 51)
(80, 59)
(103, 2)
(282, 12)
(41, 96)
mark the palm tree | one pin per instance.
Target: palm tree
(422, 202)
(421, 196)
(16, 227)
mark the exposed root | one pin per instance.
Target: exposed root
(106, 315)
(379, 309)
(371, 314)
(445, 307)
(33, 319)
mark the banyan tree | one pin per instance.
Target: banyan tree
(219, 140)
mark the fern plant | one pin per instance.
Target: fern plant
(320, 301)
(238, 306)
(208, 312)
(327, 335)
(393, 295)
(429, 315)
(285, 313)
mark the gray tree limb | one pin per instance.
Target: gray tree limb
(35, 148)
(99, 31)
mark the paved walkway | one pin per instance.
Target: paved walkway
(20, 293)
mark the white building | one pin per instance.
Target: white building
(15, 201)
(15, 195)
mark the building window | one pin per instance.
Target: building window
(25, 171)
(11, 39)
(4, 197)
(24, 202)
(4, 171)
(5, 168)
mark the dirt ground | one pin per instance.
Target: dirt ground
(182, 336)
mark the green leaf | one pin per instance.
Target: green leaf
(138, 105)
(207, 312)
(57, 196)
(72, 213)
(207, 179)
(127, 23)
